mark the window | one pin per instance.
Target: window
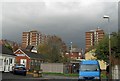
(1, 61)
(32, 61)
(89, 67)
(10, 61)
(79, 53)
(6, 62)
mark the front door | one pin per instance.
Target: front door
(23, 61)
(1, 64)
(11, 63)
(6, 67)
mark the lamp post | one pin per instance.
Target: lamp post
(110, 72)
(70, 65)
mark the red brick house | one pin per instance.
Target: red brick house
(75, 53)
(28, 58)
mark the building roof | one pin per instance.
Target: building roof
(89, 62)
(5, 50)
(76, 50)
(32, 54)
(29, 48)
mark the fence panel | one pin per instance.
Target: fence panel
(116, 72)
(53, 67)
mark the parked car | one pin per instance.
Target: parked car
(89, 70)
(19, 69)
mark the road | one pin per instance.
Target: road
(10, 76)
(28, 77)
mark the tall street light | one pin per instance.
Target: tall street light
(70, 57)
(110, 72)
(70, 50)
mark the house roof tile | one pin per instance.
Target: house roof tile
(33, 55)
(5, 50)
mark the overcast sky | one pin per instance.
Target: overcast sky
(68, 19)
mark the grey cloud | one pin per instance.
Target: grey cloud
(0, 21)
(68, 20)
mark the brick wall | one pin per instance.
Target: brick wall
(18, 58)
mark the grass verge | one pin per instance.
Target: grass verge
(61, 74)
(68, 75)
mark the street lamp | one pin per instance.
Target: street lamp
(107, 17)
(110, 73)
